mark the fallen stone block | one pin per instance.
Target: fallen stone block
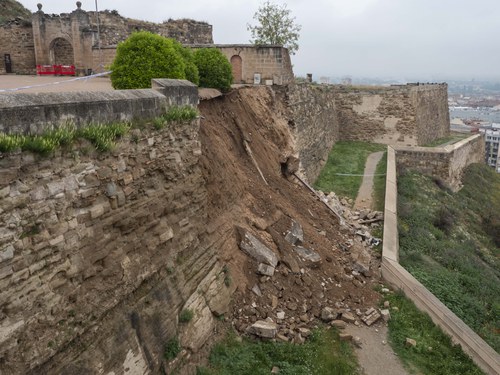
(372, 318)
(264, 329)
(265, 270)
(295, 235)
(345, 337)
(307, 254)
(386, 315)
(339, 324)
(410, 342)
(328, 314)
(348, 317)
(254, 248)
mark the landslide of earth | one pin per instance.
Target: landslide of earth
(254, 121)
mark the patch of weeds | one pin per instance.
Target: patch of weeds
(172, 349)
(186, 316)
(181, 114)
(434, 353)
(322, 354)
(51, 344)
(31, 231)
(227, 276)
(347, 158)
(103, 136)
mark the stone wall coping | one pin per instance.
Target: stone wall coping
(481, 353)
(438, 150)
(50, 99)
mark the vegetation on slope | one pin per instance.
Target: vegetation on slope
(450, 242)
(434, 353)
(347, 157)
(322, 354)
(10, 9)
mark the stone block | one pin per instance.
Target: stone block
(264, 328)
(265, 270)
(254, 248)
(7, 253)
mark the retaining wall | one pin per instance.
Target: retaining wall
(480, 352)
(33, 113)
(445, 163)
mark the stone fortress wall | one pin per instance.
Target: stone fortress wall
(101, 252)
(402, 115)
(16, 39)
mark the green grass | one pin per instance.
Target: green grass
(450, 242)
(102, 136)
(453, 138)
(323, 354)
(346, 157)
(176, 114)
(434, 353)
(186, 316)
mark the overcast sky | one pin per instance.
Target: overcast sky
(402, 39)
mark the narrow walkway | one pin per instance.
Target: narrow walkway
(376, 356)
(364, 198)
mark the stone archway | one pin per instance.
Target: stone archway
(61, 52)
(237, 66)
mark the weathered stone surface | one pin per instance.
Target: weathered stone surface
(371, 318)
(308, 255)
(340, 324)
(295, 235)
(263, 328)
(265, 270)
(254, 248)
(328, 314)
(348, 317)
(410, 342)
(386, 315)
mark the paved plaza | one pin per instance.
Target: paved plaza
(33, 84)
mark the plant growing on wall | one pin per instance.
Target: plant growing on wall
(215, 70)
(275, 26)
(144, 56)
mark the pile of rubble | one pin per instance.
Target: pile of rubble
(362, 221)
(292, 297)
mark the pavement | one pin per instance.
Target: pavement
(12, 83)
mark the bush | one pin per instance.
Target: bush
(186, 316)
(144, 56)
(214, 69)
(172, 349)
(191, 68)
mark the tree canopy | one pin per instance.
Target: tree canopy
(214, 69)
(275, 26)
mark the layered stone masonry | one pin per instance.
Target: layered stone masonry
(16, 39)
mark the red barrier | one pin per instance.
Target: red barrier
(56, 70)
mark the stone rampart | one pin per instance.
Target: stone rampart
(407, 115)
(394, 115)
(99, 252)
(313, 120)
(444, 163)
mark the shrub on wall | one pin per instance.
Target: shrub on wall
(214, 69)
(144, 56)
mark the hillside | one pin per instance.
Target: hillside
(450, 242)
(11, 9)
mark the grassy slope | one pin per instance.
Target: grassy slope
(10, 9)
(346, 157)
(447, 241)
(323, 354)
(434, 353)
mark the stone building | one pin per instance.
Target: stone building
(88, 40)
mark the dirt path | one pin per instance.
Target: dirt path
(364, 199)
(376, 356)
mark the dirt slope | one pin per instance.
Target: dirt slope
(11, 9)
(239, 197)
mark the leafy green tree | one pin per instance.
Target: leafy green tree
(214, 68)
(191, 68)
(144, 56)
(275, 26)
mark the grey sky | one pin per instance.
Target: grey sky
(404, 39)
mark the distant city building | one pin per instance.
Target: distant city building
(492, 139)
